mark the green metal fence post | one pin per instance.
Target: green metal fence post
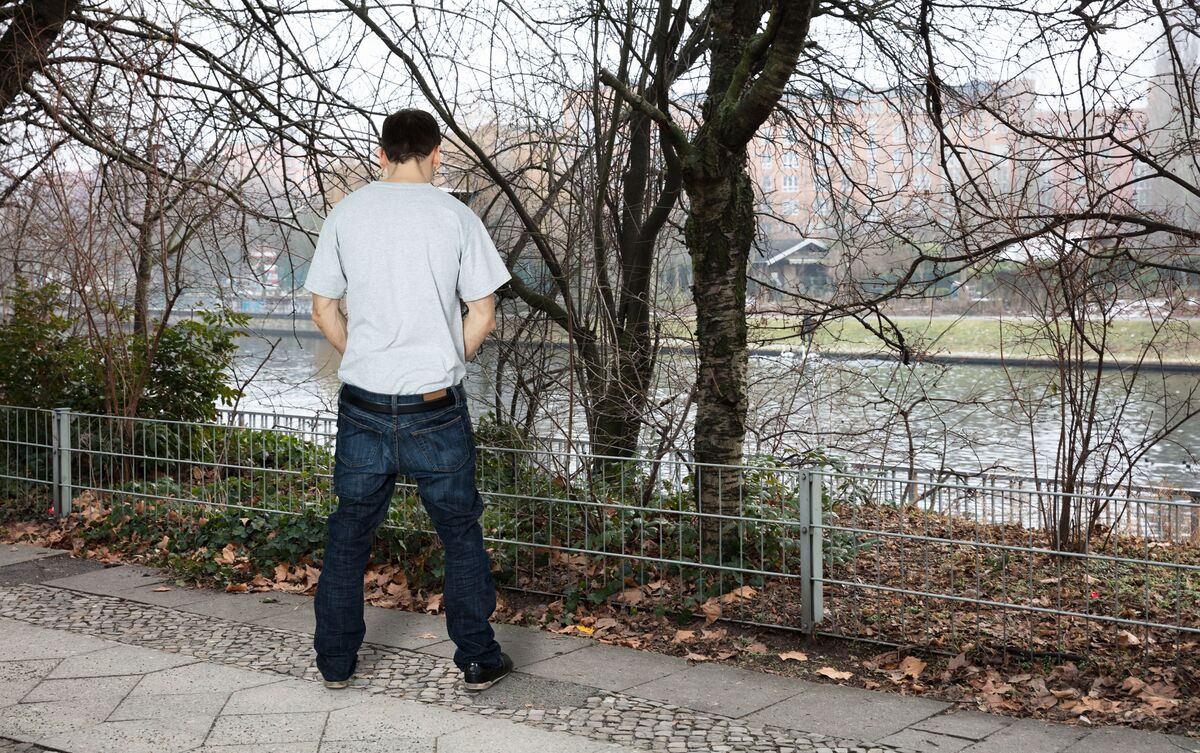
(61, 440)
(811, 552)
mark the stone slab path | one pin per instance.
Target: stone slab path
(97, 659)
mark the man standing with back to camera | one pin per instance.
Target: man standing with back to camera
(403, 253)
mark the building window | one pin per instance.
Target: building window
(791, 184)
(767, 161)
(790, 208)
(1139, 197)
(768, 182)
(790, 159)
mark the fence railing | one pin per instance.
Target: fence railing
(875, 553)
(27, 448)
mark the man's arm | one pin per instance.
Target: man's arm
(328, 316)
(478, 324)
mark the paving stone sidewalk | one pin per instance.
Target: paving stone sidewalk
(120, 659)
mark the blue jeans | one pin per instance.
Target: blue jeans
(437, 449)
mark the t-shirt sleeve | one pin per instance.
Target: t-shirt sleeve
(325, 275)
(480, 268)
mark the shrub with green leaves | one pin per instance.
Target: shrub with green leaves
(44, 361)
(178, 371)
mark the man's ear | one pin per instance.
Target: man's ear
(435, 157)
(383, 160)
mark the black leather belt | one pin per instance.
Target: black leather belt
(445, 401)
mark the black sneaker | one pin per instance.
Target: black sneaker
(479, 677)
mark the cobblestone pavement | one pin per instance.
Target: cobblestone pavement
(604, 716)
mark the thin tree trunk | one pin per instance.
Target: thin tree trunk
(143, 268)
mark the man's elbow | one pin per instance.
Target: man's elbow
(320, 318)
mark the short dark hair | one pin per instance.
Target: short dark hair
(409, 134)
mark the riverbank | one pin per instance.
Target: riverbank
(980, 341)
(1010, 341)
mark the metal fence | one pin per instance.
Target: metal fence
(28, 437)
(990, 496)
(870, 553)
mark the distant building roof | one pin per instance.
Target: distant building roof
(1048, 247)
(794, 251)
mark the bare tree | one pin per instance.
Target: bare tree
(584, 186)
(752, 51)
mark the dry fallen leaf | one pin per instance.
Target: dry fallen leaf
(711, 610)
(1133, 685)
(794, 656)
(958, 662)
(745, 592)
(834, 674)
(1158, 703)
(1126, 639)
(632, 596)
(237, 588)
(606, 623)
(1047, 701)
(683, 636)
(434, 604)
(912, 667)
(427, 636)
(757, 648)
(160, 589)
(697, 657)
(228, 555)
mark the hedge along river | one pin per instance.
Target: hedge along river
(965, 417)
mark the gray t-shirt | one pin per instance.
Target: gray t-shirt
(403, 254)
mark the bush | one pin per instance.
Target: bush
(43, 363)
(47, 362)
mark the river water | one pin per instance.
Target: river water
(965, 417)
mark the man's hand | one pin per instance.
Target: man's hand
(328, 316)
(478, 324)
